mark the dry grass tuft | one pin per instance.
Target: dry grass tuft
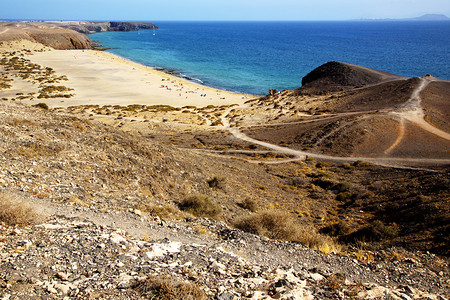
(162, 211)
(14, 212)
(200, 205)
(375, 231)
(168, 288)
(279, 225)
(217, 182)
(41, 105)
(249, 204)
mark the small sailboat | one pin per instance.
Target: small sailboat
(154, 33)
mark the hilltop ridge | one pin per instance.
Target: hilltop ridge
(338, 75)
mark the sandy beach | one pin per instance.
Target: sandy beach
(100, 78)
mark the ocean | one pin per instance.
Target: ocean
(252, 57)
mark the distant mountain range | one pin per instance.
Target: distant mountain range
(427, 17)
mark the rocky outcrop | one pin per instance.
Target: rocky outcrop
(61, 39)
(64, 34)
(91, 27)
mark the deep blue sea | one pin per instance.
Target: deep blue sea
(252, 57)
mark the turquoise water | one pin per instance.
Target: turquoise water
(252, 57)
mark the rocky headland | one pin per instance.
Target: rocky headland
(63, 34)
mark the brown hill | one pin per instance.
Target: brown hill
(348, 110)
(336, 76)
(44, 33)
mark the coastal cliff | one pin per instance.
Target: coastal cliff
(63, 34)
(91, 27)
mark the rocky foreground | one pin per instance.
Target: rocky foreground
(85, 244)
(75, 257)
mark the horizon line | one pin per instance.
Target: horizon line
(224, 20)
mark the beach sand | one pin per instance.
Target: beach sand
(100, 78)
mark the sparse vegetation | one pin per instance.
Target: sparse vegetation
(41, 105)
(169, 288)
(217, 182)
(36, 74)
(162, 211)
(249, 204)
(339, 228)
(14, 212)
(375, 231)
(200, 205)
(279, 225)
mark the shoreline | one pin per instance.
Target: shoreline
(103, 78)
(175, 73)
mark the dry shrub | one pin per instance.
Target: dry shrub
(162, 211)
(279, 225)
(41, 105)
(14, 212)
(168, 288)
(200, 205)
(337, 229)
(217, 182)
(249, 204)
(35, 148)
(375, 231)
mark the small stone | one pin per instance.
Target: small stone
(51, 289)
(124, 285)
(6, 296)
(218, 266)
(117, 239)
(316, 277)
(126, 281)
(26, 244)
(226, 296)
(64, 288)
(283, 282)
(61, 275)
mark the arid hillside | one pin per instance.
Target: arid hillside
(349, 111)
(44, 33)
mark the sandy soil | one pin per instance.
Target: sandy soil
(101, 78)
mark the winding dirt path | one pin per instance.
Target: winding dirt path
(411, 111)
(239, 135)
(401, 134)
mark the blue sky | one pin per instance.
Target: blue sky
(149, 10)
